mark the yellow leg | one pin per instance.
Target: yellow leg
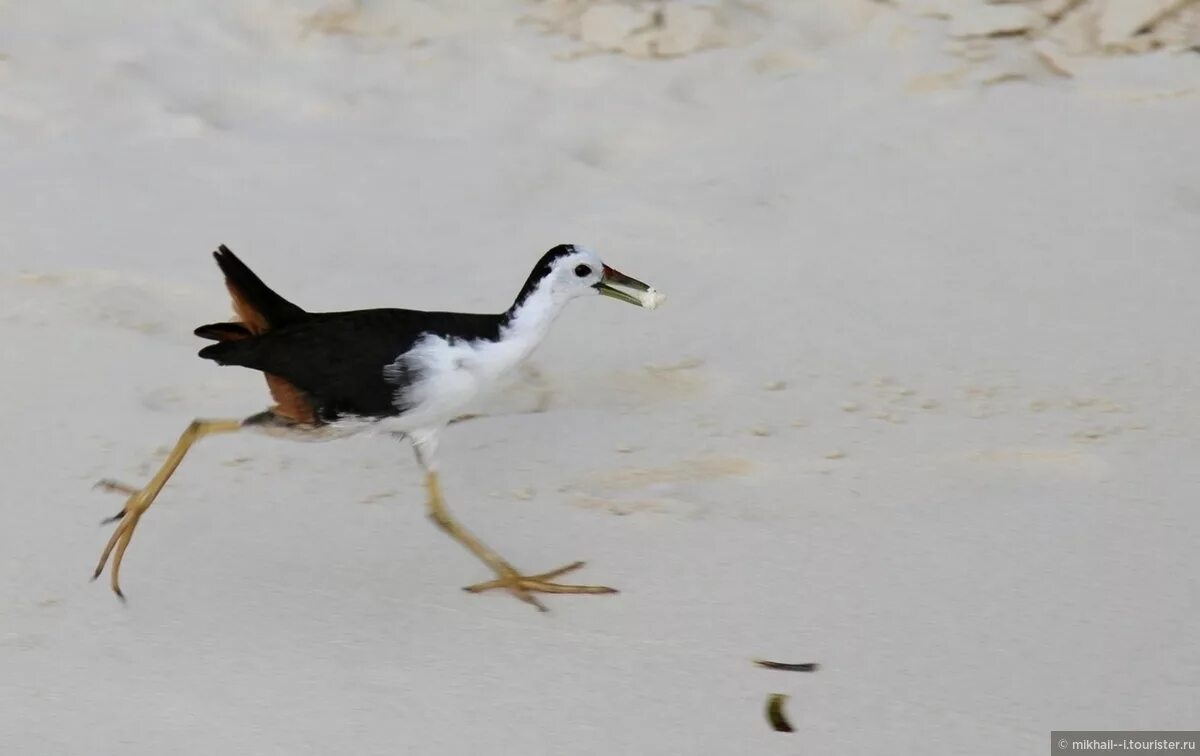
(140, 499)
(521, 586)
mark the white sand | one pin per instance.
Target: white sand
(921, 407)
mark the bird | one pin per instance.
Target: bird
(403, 373)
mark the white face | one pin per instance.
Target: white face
(575, 275)
(569, 271)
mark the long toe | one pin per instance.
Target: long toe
(543, 586)
(116, 486)
(126, 521)
(524, 586)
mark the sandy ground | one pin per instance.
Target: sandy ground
(921, 407)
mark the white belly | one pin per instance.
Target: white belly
(449, 376)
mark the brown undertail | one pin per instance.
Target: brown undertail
(259, 309)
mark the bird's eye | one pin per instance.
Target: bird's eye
(582, 271)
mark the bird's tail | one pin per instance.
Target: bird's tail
(258, 307)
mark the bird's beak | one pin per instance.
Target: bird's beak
(642, 296)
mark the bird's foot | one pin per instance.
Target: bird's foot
(140, 499)
(127, 519)
(524, 586)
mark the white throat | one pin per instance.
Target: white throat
(530, 321)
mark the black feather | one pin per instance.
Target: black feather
(347, 363)
(275, 309)
(223, 331)
(540, 271)
(342, 359)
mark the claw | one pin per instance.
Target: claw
(524, 586)
(114, 518)
(140, 499)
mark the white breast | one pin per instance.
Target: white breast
(447, 375)
(439, 377)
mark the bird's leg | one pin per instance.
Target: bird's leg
(140, 499)
(521, 586)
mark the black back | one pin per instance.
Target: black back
(346, 363)
(339, 358)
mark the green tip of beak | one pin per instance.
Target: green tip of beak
(645, 295)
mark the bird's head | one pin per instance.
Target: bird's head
(569, 271)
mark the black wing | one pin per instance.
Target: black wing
(339, 358)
